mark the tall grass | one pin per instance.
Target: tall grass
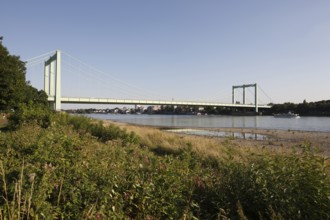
(288, 186)
(70, 172)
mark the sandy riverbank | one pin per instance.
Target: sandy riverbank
(287, 138)
(275, 138)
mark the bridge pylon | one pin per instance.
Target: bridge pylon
(52, 80)
(244, 98)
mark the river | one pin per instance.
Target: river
(223, 121)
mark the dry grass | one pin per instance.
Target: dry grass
(155, 138)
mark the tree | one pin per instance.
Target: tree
(14, 90)
(35, 96)
(12, 79)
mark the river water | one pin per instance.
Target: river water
(212, 121)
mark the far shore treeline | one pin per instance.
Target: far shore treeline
(320, 108)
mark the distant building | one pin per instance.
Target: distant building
(154, 108)
(139, 109)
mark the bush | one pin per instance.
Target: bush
(30, 113)
(103, 133)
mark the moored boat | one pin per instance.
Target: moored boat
(286, 115)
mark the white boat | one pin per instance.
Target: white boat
(287, 115)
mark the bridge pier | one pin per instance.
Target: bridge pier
(256, 97)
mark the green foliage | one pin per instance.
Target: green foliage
(32, 95)
(321, 108)
(12, 80)
(103, 133)
(14, 90)
(62, 172)
(27, 113)
(291, 186)
(112, 132)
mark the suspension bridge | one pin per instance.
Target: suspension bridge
(53, 83)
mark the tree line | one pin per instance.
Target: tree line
(320, 108)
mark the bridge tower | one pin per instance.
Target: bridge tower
(244, 98)
(52, 83)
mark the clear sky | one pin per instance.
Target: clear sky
(178, 49)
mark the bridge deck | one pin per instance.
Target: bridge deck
(149, 102)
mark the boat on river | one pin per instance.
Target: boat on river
(286, 115)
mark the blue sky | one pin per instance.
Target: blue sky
(178, 49)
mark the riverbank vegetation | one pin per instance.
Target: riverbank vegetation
(78, 168)
(58, 166)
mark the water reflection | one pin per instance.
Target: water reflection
(244, 122)
(213, 133)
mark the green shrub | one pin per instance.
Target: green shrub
(78, 122)
(291, 186)
(103, 133)
(30, 113)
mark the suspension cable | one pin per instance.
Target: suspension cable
(270, 99)
(108, 75)
(40, 56)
